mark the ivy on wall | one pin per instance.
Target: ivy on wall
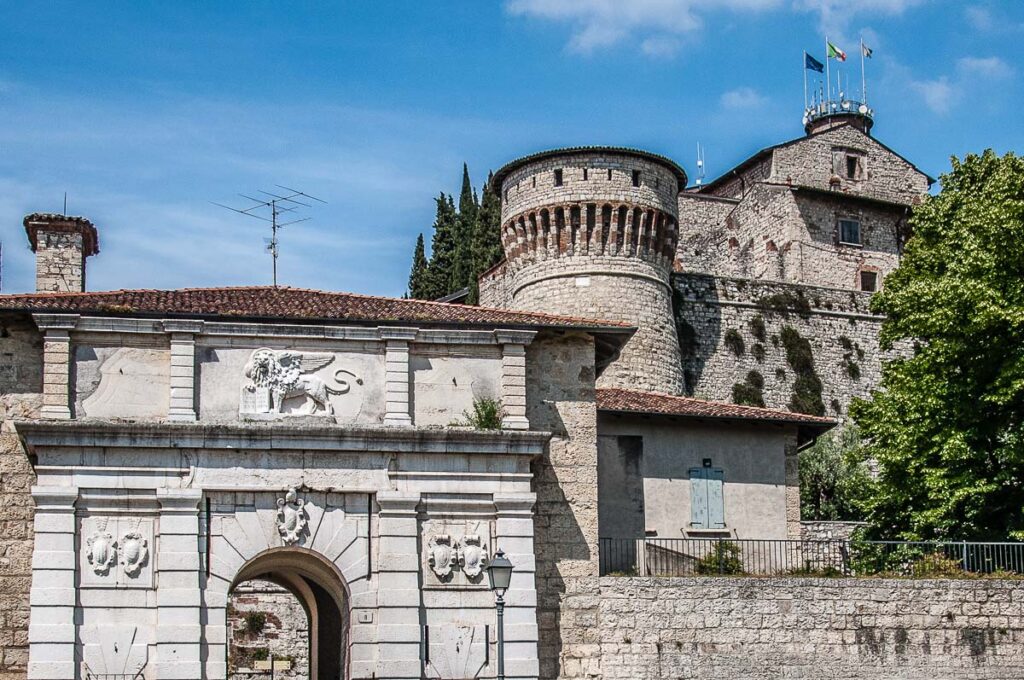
(750, 392)
(807, 388)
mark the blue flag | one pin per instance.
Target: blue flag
(813, 64)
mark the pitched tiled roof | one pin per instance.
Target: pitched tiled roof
(632, 401)
(283, 303)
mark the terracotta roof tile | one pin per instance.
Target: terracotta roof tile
(283, 303)
(631, 401)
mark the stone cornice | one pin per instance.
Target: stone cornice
(279, 437)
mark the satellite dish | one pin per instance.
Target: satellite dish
(862, 109)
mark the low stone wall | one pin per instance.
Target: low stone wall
(755, 628)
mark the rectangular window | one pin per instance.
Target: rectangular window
(707, 505)
(849, 231)
(869, 281)
(851, 167)
(586, 175)
(609, 173)
(533, 181)
(558, 177)
(636, 178)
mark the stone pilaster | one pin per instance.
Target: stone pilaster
(51, 632)
(514, 530)
(396, 367)
(56, 329)
(178, 597)
(183, 368)
(398, 630)
(513, 377)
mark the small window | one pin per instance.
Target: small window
(558, 177)
(707, 505)
(506, 195)
(851, 167)
(533, 181)
(586, 175)
(849, 231)
(869, 281)
(609, 173)
(636, 178)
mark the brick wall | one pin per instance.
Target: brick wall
(810, 628)
(842, 333)
(20, 387)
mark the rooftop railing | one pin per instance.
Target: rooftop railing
(827, 558)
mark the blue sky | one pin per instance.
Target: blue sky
(145, 112)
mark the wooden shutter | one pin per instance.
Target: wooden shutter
(716, 502)
(707, 503)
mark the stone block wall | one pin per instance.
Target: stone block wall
(60, 262)
(20, 388)
(560, 374)
(281, 631)
(757, 629)
(730, 329)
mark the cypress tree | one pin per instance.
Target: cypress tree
(487, 250)
(418, 275)
(463, 269)
(442, 250)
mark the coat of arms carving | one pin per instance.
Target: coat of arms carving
(442, 555)
(134, 552)
(473, 556)
(277, 375)
(101, 549)
(291, 517)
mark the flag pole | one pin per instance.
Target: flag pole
(804, 68)
(828, 79)
(863, 80)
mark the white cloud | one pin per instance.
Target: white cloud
(656, 26)
(939, 95)
(742, 98)
(835, 16)
(988, 67)
(980, 18)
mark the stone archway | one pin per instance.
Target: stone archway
(321, 589)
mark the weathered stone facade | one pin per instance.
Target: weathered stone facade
(266, 622)
(730, 328)
(810, 628)
(61, 244)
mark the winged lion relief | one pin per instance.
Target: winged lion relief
(278, 375)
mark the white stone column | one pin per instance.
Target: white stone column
(56, 330)
(398, 590)
(178, 598)
(514, 530)
(513, 377)
(183, 368)
(396, 376)
(51, 631)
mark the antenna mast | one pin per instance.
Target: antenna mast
(277, 205)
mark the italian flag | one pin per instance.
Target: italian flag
(836, 53)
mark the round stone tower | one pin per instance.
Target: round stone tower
(592, 232)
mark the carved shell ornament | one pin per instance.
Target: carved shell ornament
(101, 548)
(291, 517)
(134, 553)
(442, 555)
(473, 556)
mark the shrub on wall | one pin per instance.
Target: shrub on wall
(806, 397)
(757, 328)
(751, 392)
(724, 560)
(734, 341)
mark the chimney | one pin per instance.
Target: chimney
(61, 244)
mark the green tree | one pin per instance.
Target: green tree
(463, 270)
(487, 250)
(833, 478)
(946, 425)
(442, 250)
(418, 274)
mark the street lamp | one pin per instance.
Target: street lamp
(499, 574)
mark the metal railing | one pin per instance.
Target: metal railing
(755, 557)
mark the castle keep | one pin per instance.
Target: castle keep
(189, 475)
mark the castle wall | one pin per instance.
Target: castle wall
(612, 289)
(533, 184)
(761, 629)
(279, 630)
(813, 161)
(737, 183)
(703, 233)
(842, 334)
(560, 375)
(20, 397)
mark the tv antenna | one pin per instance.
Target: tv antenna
(275, 206)
(700, 164)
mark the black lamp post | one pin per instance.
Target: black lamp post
(499, 573)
